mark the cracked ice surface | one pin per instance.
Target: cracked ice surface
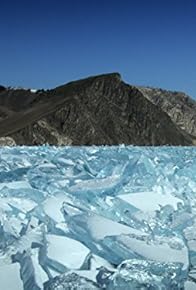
(97, 218)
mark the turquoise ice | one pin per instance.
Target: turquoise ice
(99, 217)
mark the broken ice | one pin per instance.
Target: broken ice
(97, 218)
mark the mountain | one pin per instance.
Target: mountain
(97, 110)
(180, 107)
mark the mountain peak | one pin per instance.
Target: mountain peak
(97, 110)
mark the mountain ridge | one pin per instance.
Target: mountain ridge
(98, 110)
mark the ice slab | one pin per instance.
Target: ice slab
(10, 277)
(101, 227)
(150, 201)
(52, 207)
(16, 184)
(189, 285)
(158, 249)
(66, 251)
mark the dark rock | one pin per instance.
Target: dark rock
(97, 110)
(2, 88)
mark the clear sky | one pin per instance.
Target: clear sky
(45, 43)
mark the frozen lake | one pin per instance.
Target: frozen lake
(97, 218)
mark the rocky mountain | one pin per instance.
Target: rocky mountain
(180, 107)
(97, 110)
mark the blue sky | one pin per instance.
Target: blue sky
(45, 43)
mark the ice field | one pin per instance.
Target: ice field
(97, 218)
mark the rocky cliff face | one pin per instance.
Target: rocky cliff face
(179, 107)
(97, 110)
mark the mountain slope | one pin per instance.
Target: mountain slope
(97, 110)
(180, 107)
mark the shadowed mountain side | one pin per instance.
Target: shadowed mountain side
(97, 110)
